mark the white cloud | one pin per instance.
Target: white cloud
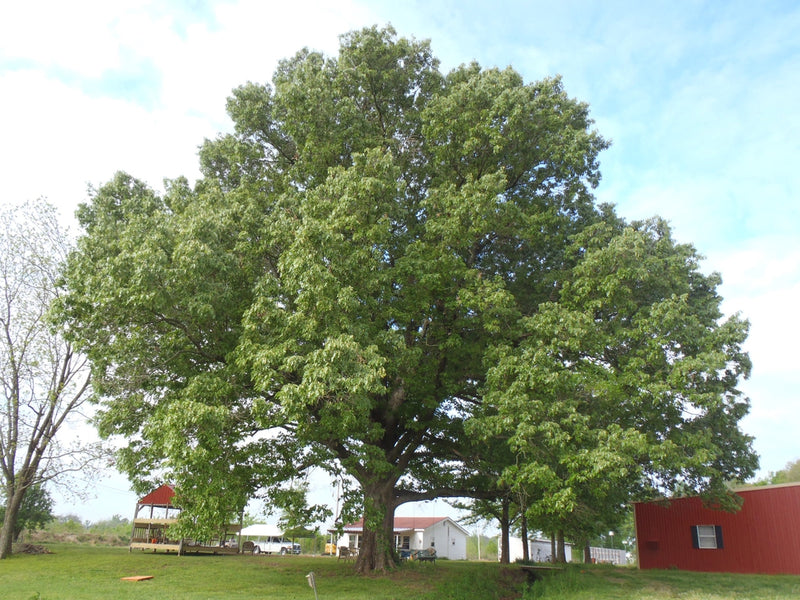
(58, 140)
(761, 280)
(59, 34)
(61, 133)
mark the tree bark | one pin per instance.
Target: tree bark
(505, 523)
(377, 551)
(587, 553)
(562, 549)
(526, 555)
(13, 502)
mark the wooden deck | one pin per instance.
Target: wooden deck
(153, 535)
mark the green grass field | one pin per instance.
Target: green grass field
(94, 572)
(604, 582)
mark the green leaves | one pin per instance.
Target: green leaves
(339, 381)
(380, 259)
(626, 384)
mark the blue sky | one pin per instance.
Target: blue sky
(700, 100)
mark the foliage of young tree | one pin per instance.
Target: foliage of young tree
(372, 237)
(43, 380)
(35, 512)
(624, 386)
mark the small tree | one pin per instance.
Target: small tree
(626, 386)
(43, 381)
(35, 512)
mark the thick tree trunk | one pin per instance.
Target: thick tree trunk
(526, 555)
(562, 549)
(587, 553)
(377, 551)
(505, 523)
(13, 502)
(553, 548)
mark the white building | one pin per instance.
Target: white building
(540, 550)
(418, 533)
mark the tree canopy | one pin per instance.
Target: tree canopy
(346, 285)
(35, 511)
(625, 385)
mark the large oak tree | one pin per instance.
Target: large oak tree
(330, 292)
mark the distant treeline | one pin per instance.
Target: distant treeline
(115, 531)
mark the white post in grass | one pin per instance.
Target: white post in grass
(312, 584)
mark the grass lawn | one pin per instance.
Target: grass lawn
(605, 582)
(93, 573)
(77, 572)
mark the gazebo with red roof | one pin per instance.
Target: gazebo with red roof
(151, 531)
(159, 498)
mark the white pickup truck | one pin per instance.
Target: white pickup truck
(275, 545)
(262, 538)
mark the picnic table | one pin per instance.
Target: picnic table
(428, 554)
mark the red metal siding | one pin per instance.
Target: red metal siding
(763, 537)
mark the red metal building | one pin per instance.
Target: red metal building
(762, 537)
